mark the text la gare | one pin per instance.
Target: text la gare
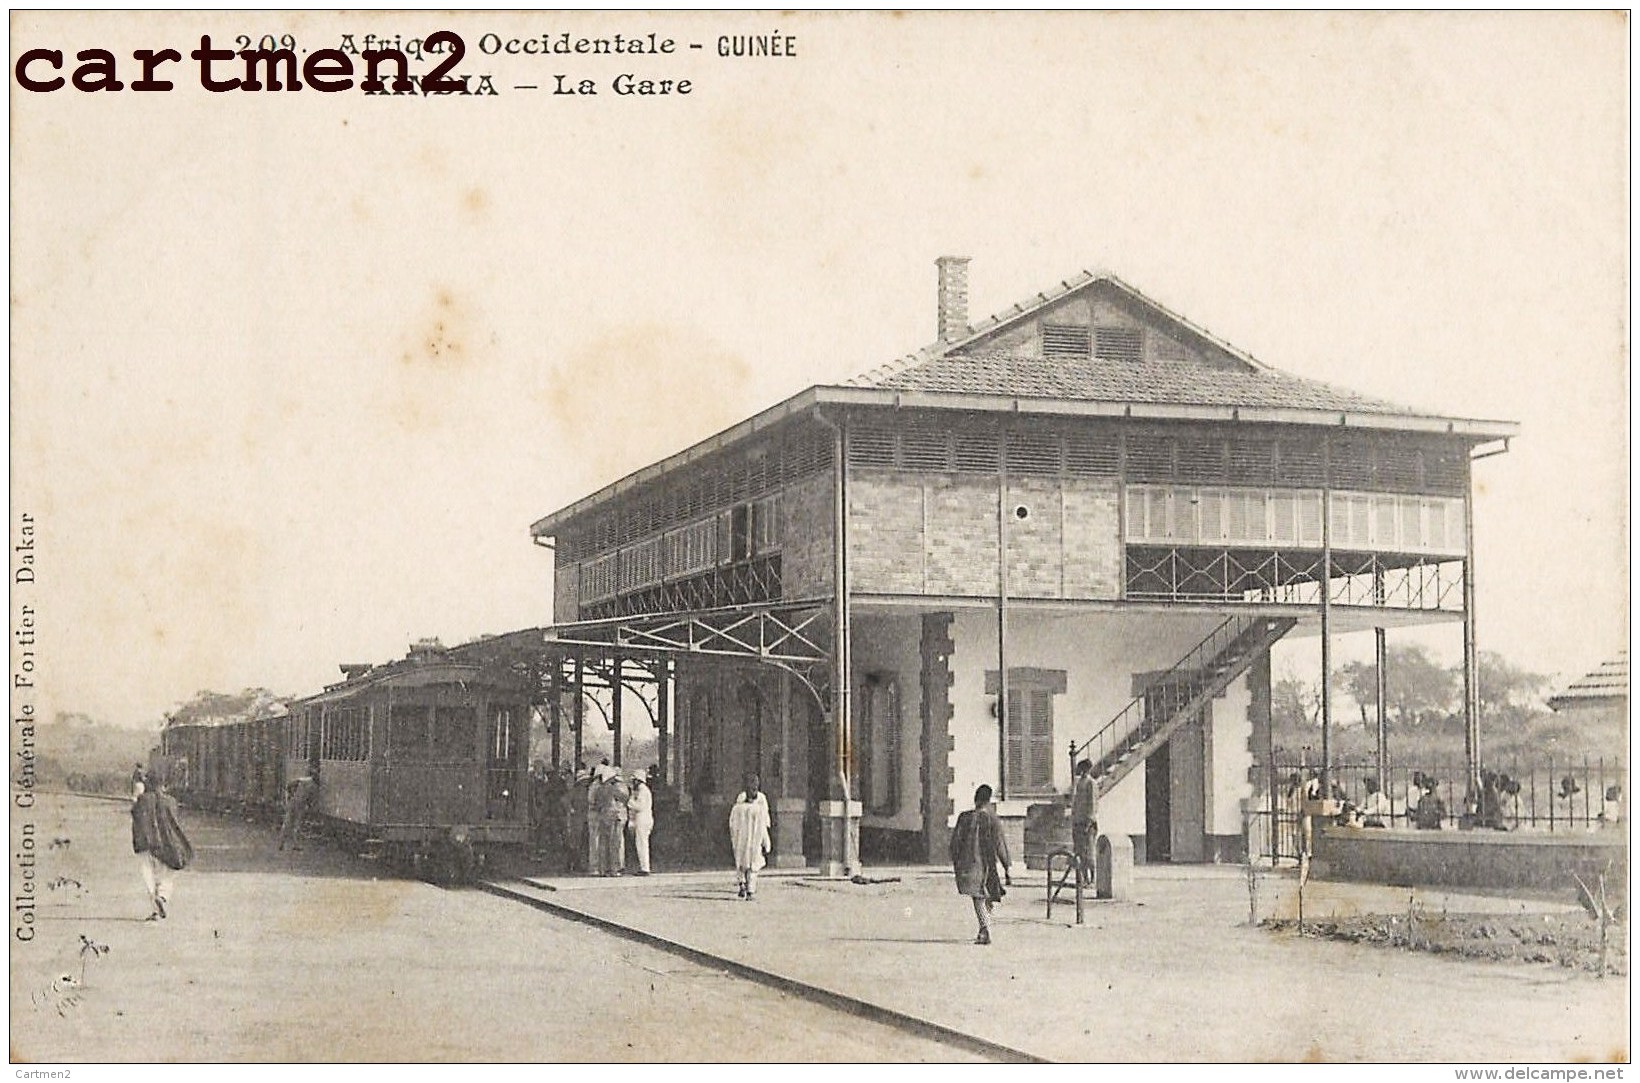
(623, 85)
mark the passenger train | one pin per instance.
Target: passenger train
(423, 760)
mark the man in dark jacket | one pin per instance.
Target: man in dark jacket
(977, 847)
(158, 841)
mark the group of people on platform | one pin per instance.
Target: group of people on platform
(585, 817)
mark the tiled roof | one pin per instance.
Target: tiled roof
(1153, 382)
(1605, 684)
(965, 366)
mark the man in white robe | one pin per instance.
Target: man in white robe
(749, 836)
(640, 820)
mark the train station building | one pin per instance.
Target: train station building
(1070, 530)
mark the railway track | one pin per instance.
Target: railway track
(539, 899)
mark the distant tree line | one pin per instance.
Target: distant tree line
(1425, 711)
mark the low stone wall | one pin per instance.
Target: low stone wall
(1483, 859)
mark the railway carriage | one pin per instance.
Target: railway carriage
(426, 757)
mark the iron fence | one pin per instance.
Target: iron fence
(1536, 796)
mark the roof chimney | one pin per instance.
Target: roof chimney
(953, 299)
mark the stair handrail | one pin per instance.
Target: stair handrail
(1240, 621)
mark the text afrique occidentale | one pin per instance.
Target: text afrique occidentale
(386, 68)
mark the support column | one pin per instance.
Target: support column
(663, 719)
(578, 710)
(1002, 615)
(615, 698)
(840, 816)
(1471, 663)
(1380, 662)
(555, 715)
(788, 810)
(1326, 644)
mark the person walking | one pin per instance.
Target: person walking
(1084, 819)
(612, 821)
(640, 809)
(300, 793)
(749, 835)
(158, 840)
(977, 847)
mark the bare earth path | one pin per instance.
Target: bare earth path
(306, 957)
(318, 956)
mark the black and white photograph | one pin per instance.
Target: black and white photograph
(770, 537)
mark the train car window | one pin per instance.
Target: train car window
(407, 728)
(456, 733)
(503, 745)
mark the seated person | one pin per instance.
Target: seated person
(1431, 809)
(1375, 810)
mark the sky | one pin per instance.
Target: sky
(292, 373)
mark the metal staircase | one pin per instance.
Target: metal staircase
(1176, 696)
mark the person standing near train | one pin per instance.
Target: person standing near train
(640, 809)
(613, 821)
(593, 828)
(574, 813)
(158, 840)
(300, 794)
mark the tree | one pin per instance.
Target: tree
(1295, 714)
(1508, 694)
(1422, 693)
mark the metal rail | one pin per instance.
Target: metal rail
(1201, 668)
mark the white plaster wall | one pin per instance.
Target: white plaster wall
(1100, 653)
(1230, 760)
(893, 644)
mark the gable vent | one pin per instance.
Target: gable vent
(1120, 344)
(1059, 340)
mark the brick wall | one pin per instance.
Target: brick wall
(959, 547)
(1093, 550)
(885, 534)
(1036, 557)
(806, 554)
(937, 534)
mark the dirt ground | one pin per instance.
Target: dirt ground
(318, 956)
(311, 956)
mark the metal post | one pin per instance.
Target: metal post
(578, 711)
(1326, 635)
(615, 698)
(663, 719)
(1471, 670)
(1002, 614)
(1380, 655)
(555, 716)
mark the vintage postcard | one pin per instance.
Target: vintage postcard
(796, 537)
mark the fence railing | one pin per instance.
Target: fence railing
(1588, 794)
